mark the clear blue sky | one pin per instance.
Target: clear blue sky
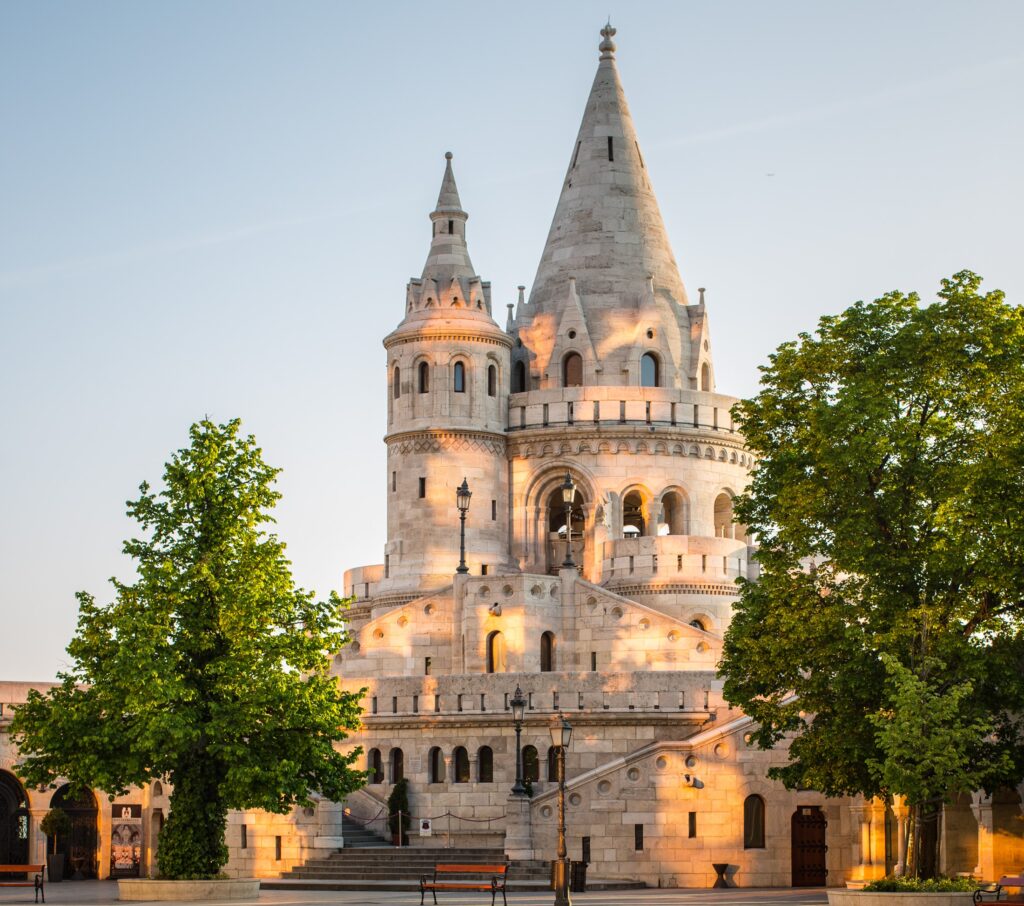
(213, 208)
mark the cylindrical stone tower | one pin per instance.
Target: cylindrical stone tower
(447, 390)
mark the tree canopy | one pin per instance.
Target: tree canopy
(210, 670)
(888, 503)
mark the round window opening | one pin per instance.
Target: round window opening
(572, 334)
(650, 334)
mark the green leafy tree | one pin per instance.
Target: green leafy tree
(398, 805)
(210, 671)
(888, 502)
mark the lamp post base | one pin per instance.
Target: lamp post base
(560, 881)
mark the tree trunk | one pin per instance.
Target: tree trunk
(192, 841)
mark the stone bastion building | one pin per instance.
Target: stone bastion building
(605, 374)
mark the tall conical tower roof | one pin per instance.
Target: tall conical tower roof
(608, 234)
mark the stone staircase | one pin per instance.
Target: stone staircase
(359, 837)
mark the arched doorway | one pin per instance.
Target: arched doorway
(13, 821)
(808, 845)
(557, 529)
(633, 523)
(495, 652)
(80, 844)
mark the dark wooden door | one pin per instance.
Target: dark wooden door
(808, 835)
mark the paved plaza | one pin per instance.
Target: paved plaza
(96, 893)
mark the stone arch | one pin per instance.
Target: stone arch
(460, 765)
(485, 765)
(548, 653)
(535, 527)
(14, 820)
(374, 766)
(650, 370)
(674, 505)
(635, 510)
(495, 655)
(572, 369)
(435, 765)
(81, 844)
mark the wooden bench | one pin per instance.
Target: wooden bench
(36, 882)
(996, 890)
(466, 877)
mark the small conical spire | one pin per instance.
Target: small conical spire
(449, 256)
(448, 200)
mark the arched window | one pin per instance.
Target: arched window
(460, 760)
(519, 378)
(396, 383)
(459, 378)
(705, 377)
(698, 624)
(424, 377)
(492, 381)
(753, 822)
(557, 528)
(553, 752)
(675, 514)
(724, 527)
(531, 766)
(572, 370)
(435, 765)
(485, 765)
(495, 652)
(632, 515)
(649, 376)
(547, 652)
(375, 767)
(397, 759)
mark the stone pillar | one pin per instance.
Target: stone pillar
(518, 828)
(329, 834)
(981, 805)
(902, 813)
(36, 838)
(860, 840)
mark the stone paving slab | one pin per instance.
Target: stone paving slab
(101, 893)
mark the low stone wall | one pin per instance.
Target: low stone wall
(192, 891)
(864, 898)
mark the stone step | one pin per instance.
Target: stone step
(595, 884)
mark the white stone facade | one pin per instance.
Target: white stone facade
(605, 374)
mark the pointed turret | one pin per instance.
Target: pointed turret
(449, 285)
(608, 233)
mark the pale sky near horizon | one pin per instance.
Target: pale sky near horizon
(212, 208)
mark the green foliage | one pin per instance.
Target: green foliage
(917, 885)
(398, 801)
(56, 822)
(210, 671)
(888, 502)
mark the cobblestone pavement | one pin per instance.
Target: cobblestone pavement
(97, 893)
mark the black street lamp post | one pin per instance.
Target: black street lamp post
(561, 736)
(518, 704)
(568, 495)
(462, 495)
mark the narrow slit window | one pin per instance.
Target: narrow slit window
(459, 381)
(611, 150)
(394, 481)
(638, 837)
(494, 510)
(691, 821)
(451, 227)
(492, 381)
(423, 488)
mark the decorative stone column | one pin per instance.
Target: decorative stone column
(902, 813)
(861, 839)
(981, 805)
(518, 828)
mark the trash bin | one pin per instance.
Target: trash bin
(578, 877)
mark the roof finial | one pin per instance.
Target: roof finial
(607, 46)
(448, 155)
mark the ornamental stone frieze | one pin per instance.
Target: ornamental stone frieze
(445, 442)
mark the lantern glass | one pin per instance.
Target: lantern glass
(561, 734)
(462, 496)
(518, 704)
(568, 490)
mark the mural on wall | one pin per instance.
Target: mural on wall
(126, 841)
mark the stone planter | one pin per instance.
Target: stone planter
(839, 897)
(194, 891)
